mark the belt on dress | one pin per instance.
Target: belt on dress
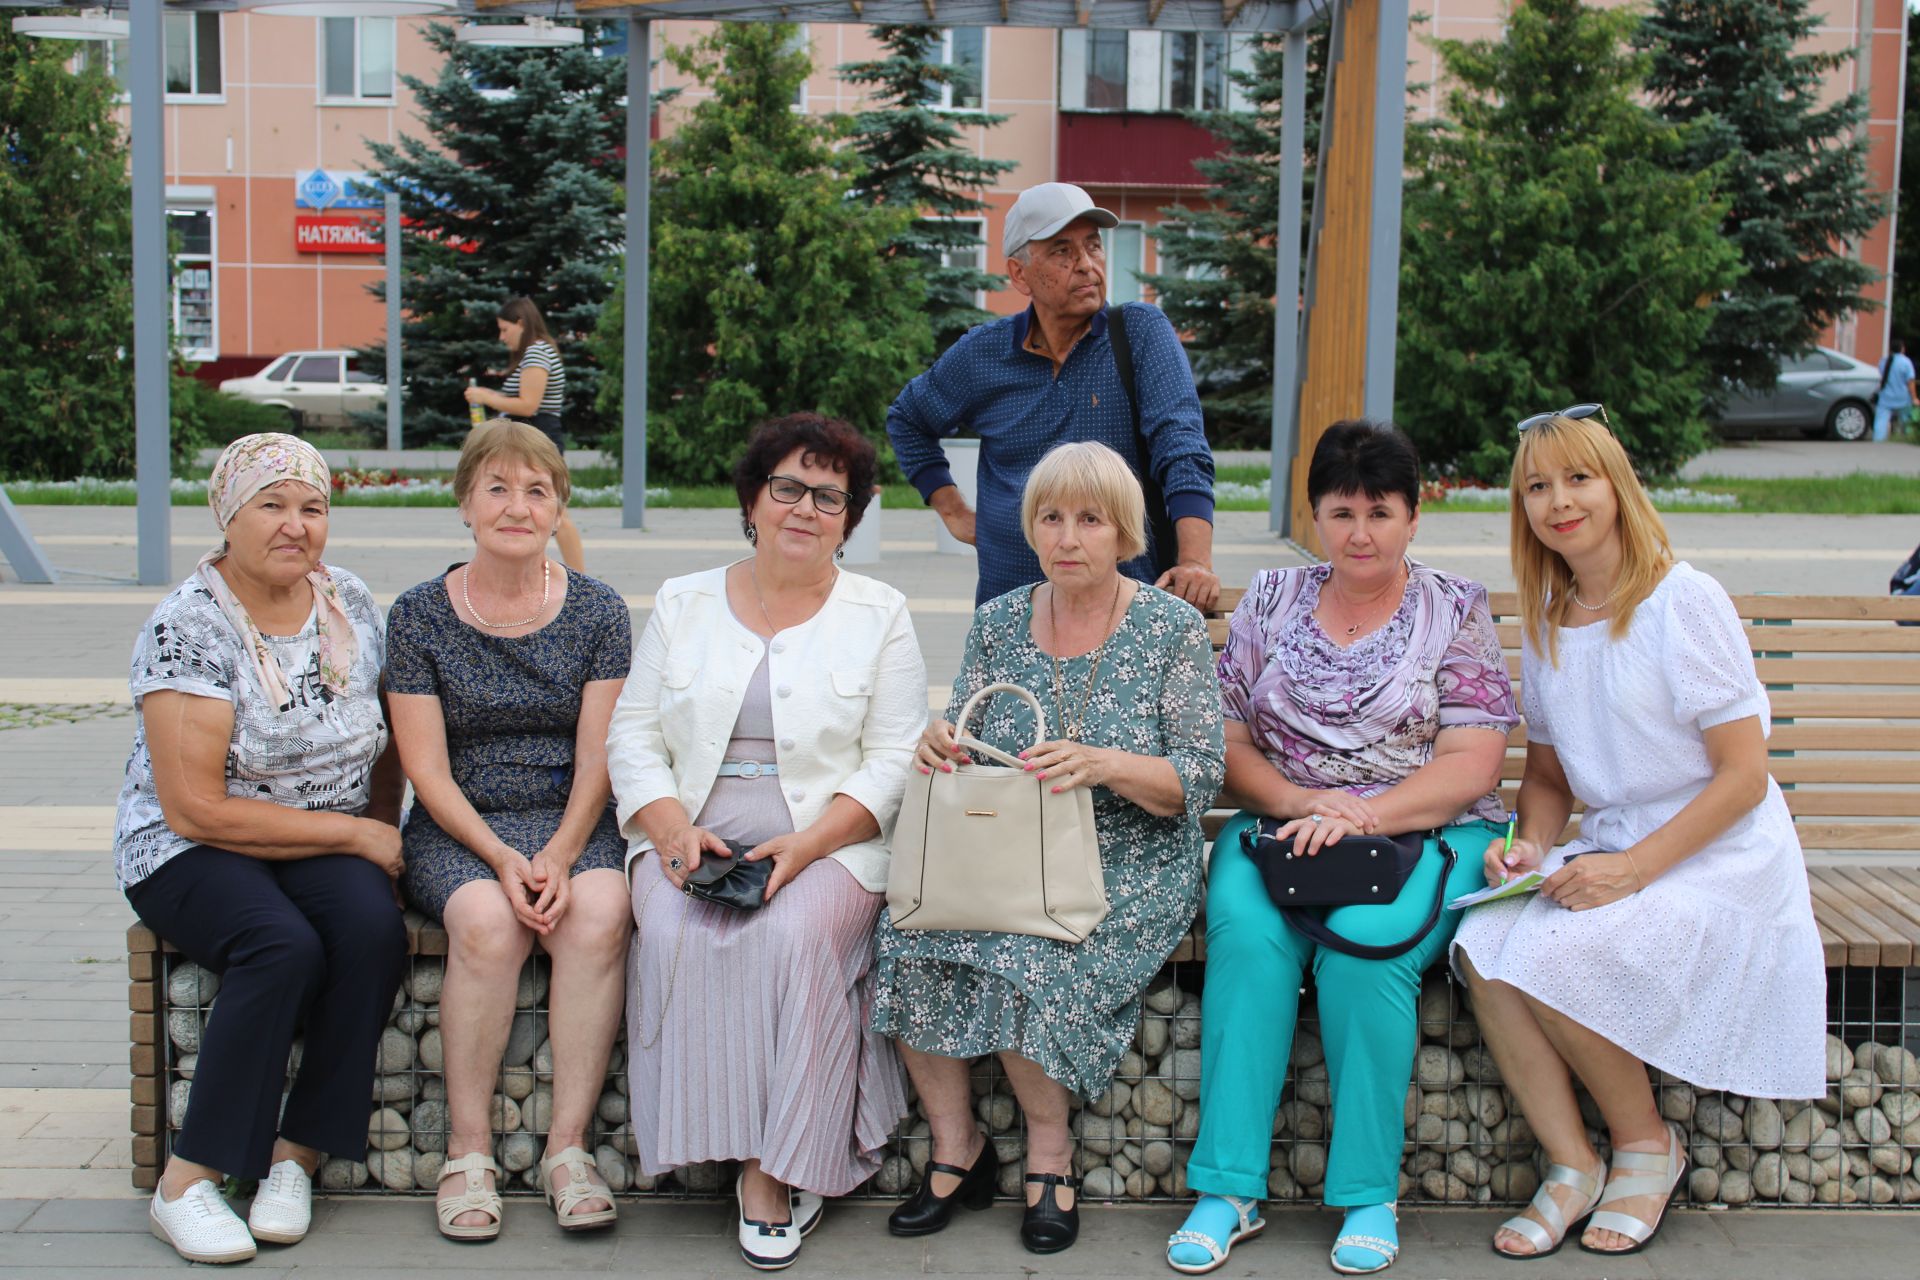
(747, 769)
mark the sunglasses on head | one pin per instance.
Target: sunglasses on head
(1575, 411)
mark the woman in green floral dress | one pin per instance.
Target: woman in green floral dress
(1125, 672)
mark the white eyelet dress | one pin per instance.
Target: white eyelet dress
(1712, 973)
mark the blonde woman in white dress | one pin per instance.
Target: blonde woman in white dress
(1677, 931)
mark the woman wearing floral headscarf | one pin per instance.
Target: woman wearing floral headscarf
(257, 834)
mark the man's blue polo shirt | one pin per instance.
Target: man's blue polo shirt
(988, 385)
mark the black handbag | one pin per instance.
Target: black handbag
(1354, 870)
(731, 881)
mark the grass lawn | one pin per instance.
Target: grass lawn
(1861, 493)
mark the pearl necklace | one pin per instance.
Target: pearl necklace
(1574, 591)
(546, 589)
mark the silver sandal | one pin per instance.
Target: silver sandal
(1546, 1241)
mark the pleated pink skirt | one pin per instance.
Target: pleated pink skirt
(747, 1032)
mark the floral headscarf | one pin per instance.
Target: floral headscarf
(247, 466)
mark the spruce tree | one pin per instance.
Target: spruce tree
(515, 189)
(1218, 285)
(1906, 236)
(771, 290)
(1554, 250)
(1792, 167)
(918, 158)
(66, 267)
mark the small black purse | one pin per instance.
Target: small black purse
(1354, 870)
(731, 881)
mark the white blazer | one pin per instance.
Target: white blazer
(849, 694)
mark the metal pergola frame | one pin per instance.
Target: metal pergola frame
(153, 358)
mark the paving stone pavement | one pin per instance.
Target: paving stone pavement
(65, 1205)
(355, 1239)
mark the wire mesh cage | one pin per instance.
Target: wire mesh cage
(1466, 1142)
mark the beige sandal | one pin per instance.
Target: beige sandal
(576, 1191)
(475, 1198)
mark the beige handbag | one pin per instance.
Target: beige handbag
(989, 847)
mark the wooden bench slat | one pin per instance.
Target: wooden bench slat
(1894, 934)
(1832, 949)
(1863, 944)
(1845, 706)
(1891, 837)
(1826, 802)
(1870, 638)
(1884, 890)
(1506, 604)
(1895, 671)
(1840, 737)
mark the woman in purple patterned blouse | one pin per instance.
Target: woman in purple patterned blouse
(1366, 696)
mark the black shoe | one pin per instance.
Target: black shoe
(1047, 1228)
(924, 1213)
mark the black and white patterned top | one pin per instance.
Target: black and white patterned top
(540, 355)
(319, 754)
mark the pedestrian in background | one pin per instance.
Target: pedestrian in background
(534, 392)
(1897, 394)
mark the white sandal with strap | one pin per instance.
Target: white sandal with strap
(1389, 1250)
(1659, 1175)
(1546, 1241)
(476, 1197)
(1251, 1224)
(575, 1191)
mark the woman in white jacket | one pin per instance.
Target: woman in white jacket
(775, 704)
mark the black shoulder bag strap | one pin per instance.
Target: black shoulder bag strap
(1163, 544)
(1310, 924)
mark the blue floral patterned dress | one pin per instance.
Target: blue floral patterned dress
(1072, 1008)
(512, 708)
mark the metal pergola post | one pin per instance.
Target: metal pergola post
(152, 360)
(1383, 253)
(1286, 291)
(393, 321)
(633, 407)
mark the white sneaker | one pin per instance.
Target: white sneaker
(283, 1206)
(766, 1246)
(200, 1225)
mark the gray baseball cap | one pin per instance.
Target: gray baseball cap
(1046, 210)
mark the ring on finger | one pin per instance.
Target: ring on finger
(1317, 818)
(674, 863)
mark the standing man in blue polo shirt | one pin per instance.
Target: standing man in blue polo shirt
(1047, 376)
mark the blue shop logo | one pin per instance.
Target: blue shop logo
(342, 189)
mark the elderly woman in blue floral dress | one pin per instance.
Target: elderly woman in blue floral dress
(1127, 669)
(1366, 695)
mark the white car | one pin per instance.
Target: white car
(316, 388)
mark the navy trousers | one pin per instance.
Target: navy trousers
(313, 942)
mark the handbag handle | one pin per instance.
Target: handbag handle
(1315, 928)
(963, 738)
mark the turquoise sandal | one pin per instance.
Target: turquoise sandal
(1250, 1225)
(1387, 1249)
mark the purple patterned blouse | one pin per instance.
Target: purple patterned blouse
(1363, 718)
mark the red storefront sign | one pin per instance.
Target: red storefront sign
(335, 233)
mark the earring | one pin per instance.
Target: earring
(753, 534)
(840, 552)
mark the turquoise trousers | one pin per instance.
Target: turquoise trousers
(1369, 1020)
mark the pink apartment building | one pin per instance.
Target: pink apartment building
(267, 120)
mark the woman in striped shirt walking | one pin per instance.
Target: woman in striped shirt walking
(534, 392)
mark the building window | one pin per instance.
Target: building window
(1109, 70)
(800, 44)
(356, 59)
(1126, 261)
(193, 55)
(973, 256)
(193, 291)
(963, 51)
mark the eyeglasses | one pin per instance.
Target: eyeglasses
(827, 500)
(1574, 411)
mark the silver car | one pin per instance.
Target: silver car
(1822, 393)
(317, 389)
